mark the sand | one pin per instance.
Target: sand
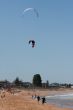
(23, 100)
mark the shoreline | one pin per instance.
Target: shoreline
(58, 92)
(47, 92)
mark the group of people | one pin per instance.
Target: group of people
(39, 98)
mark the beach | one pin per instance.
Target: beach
(22, 100)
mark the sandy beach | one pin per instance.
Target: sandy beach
(23, 100)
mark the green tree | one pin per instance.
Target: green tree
(17, 82)
(37, 82)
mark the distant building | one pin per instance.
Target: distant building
(27, 84)
(54, 85)
(4, 84)
(45, 85)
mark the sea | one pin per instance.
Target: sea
(61, 100)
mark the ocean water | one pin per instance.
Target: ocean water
(62, 100)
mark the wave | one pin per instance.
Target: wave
(69, 95)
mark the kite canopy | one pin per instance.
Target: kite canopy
(31, 9)
(33, 43)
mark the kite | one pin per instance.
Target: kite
(33, 43)
(31, 9)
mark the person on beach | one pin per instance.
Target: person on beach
(43, 100)
(34, 96)
(38, 98)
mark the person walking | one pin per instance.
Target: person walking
(38, 98)
(43, 100)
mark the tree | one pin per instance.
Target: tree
(17, 82)
(37, 80)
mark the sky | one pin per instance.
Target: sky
(52, 56)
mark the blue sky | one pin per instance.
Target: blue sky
(52, 56)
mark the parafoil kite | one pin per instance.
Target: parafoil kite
(33, 43)
(31, 9)
(37, 14)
